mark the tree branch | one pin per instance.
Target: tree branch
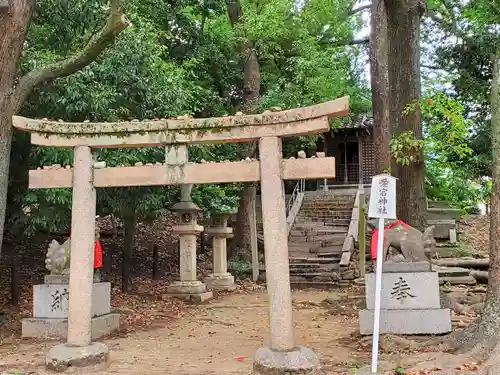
(450, 27)
(343, 43)
(359, 41)
(431, 67)
(359, 9)
(115, 23)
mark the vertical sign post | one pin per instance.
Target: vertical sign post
(382, 206)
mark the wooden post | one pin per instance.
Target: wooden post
(154, 248)
(346, 177)
(360, 161)
(362, 234)
(14, 278)
(253, 242)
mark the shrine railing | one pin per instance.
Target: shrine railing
(352, 232)
(294, 203)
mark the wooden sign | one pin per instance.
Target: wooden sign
(383, 197)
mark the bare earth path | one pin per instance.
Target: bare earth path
(215, 339)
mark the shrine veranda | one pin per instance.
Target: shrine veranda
(176, 134)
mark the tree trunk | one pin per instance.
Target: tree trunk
(481, 337)
(380, 86)
(243, 229)
(14, 23)
(403, 31)
(128, 245)
(251, 92)
(15, 289)
(156, 260)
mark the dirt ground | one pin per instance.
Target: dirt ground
(217, 338)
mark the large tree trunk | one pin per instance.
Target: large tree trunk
(380, 86)
(481, 337)
(14, 23)
(403, 31)
(251, 92)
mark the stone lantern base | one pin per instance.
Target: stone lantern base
(220, 281)
(191, 291)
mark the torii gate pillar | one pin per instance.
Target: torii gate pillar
(282, 356)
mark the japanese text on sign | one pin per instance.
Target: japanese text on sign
(58, 299)
(401, 290)
(383, 197)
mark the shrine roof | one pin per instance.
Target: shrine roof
(359, 122)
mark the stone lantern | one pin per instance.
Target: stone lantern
(188, 229)
(220, 279)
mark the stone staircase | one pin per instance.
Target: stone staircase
(316, 239)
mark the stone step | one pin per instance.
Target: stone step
(451, 271)
(323, 221)
(312, 259)
(336, 237)
(322, 285)
(327, 207)
(335, 242)
(298, 254)
(457, 280)
(327, 211)
(310, 275)
(303, 246)
(330, 199)
(303, 283)
(321, 270)
(304, 265)
(297, 239)
(328, 249)
(331, 230)
(309, 226)
(336, 255)
(321, 217)
(318, 230)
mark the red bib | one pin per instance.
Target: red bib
(97, 254)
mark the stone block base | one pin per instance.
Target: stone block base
(301, 361)
(220, 282)
(187, 287)
(60, 357)
(58, 328)
(407, 322)
(51, 301)
(194, 297)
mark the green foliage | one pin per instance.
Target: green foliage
(240, 268)
(405, 148)
(178, 58)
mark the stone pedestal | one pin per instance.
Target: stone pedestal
(409, 301)
(188, 287)
(51, 307)
(220, 279)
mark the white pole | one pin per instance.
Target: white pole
(378, 291)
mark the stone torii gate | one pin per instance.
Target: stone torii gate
(283, 355)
